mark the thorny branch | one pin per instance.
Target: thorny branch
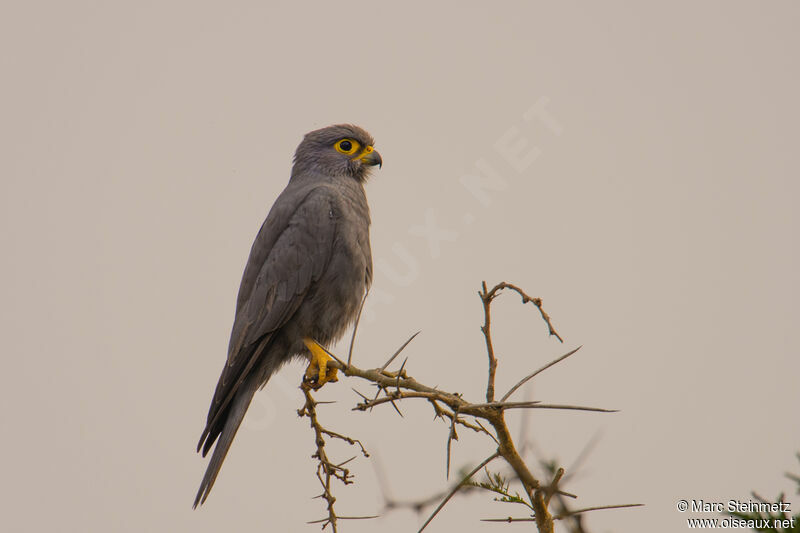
(457, 411)
(326, 470)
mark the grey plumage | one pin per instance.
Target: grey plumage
(307, 272)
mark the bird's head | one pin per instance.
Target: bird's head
(340, 150)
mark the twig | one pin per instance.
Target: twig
(477, 427)
(452, 491)
(327, 470)
(486, 329)
(534, 374)
(553, 487)
(478, 422)
(418, 505)
(525, 299)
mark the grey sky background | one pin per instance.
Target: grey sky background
(652, 205)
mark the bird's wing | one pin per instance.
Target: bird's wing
(299, 251)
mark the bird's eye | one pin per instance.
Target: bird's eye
(347, 146)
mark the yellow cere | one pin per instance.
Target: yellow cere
(367, 150)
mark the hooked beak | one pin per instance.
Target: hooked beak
(370, 157)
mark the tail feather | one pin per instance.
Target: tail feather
(233, 419)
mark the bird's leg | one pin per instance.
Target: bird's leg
(318, 370)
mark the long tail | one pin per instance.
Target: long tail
(233, 419)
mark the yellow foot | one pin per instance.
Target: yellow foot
(318, 372)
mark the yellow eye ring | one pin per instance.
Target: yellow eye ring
(347, 146)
